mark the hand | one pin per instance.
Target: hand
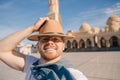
(38, 23)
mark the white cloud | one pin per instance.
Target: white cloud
(115, 9)
(94, 17)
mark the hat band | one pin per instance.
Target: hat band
(53, 33)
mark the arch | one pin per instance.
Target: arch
(88, 43)
(74, 44)
(103, 42)
(82, 43)
(68, 44)
(114, 41)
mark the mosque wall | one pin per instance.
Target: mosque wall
(88, 38)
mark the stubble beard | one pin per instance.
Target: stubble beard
(50, 56)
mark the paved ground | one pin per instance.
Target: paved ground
(95, 65)
(6, 73)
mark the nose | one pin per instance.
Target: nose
(50, 42)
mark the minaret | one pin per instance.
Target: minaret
(54, 10)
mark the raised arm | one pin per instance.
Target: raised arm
(7, 45)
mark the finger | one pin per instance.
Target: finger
(45, 18)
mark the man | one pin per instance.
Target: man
(51, 65)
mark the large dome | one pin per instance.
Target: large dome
(114, 23)
(113, 18)
(115, 27)
(85, 27)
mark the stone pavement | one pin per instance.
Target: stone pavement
(95, 65)
(6, 73)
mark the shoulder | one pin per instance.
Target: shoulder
(29, 60)
(77, 74)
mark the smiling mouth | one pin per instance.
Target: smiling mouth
(49, 49)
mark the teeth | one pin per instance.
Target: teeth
(49, 49)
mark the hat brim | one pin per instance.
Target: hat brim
(36, 37)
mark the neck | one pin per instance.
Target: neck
(43, 61)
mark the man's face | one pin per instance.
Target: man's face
(50, 47)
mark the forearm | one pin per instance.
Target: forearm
(11, 41)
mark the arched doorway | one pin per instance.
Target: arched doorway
(74, 44)
(114, 41)
(88, 43)
(81, 43)
(103, 42)
(68, 44)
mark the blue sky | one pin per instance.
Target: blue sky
(18, 14)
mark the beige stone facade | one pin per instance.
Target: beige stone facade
(87, 37)
(27, 48)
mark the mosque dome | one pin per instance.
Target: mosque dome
(69, 33)
(106, 28)
(102, 30)
(95, 30)
(114, 23)
(114, 28)
(84, 27)
(113, 18)
(90, 32)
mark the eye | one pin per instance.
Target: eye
(56, 39)
(44, 39)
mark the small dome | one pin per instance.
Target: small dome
(102, 30)
(85, 27)
(70, 33)
(95, 30)
(106, 28)
(90, 32)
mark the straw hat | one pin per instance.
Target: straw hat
(50, 28)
